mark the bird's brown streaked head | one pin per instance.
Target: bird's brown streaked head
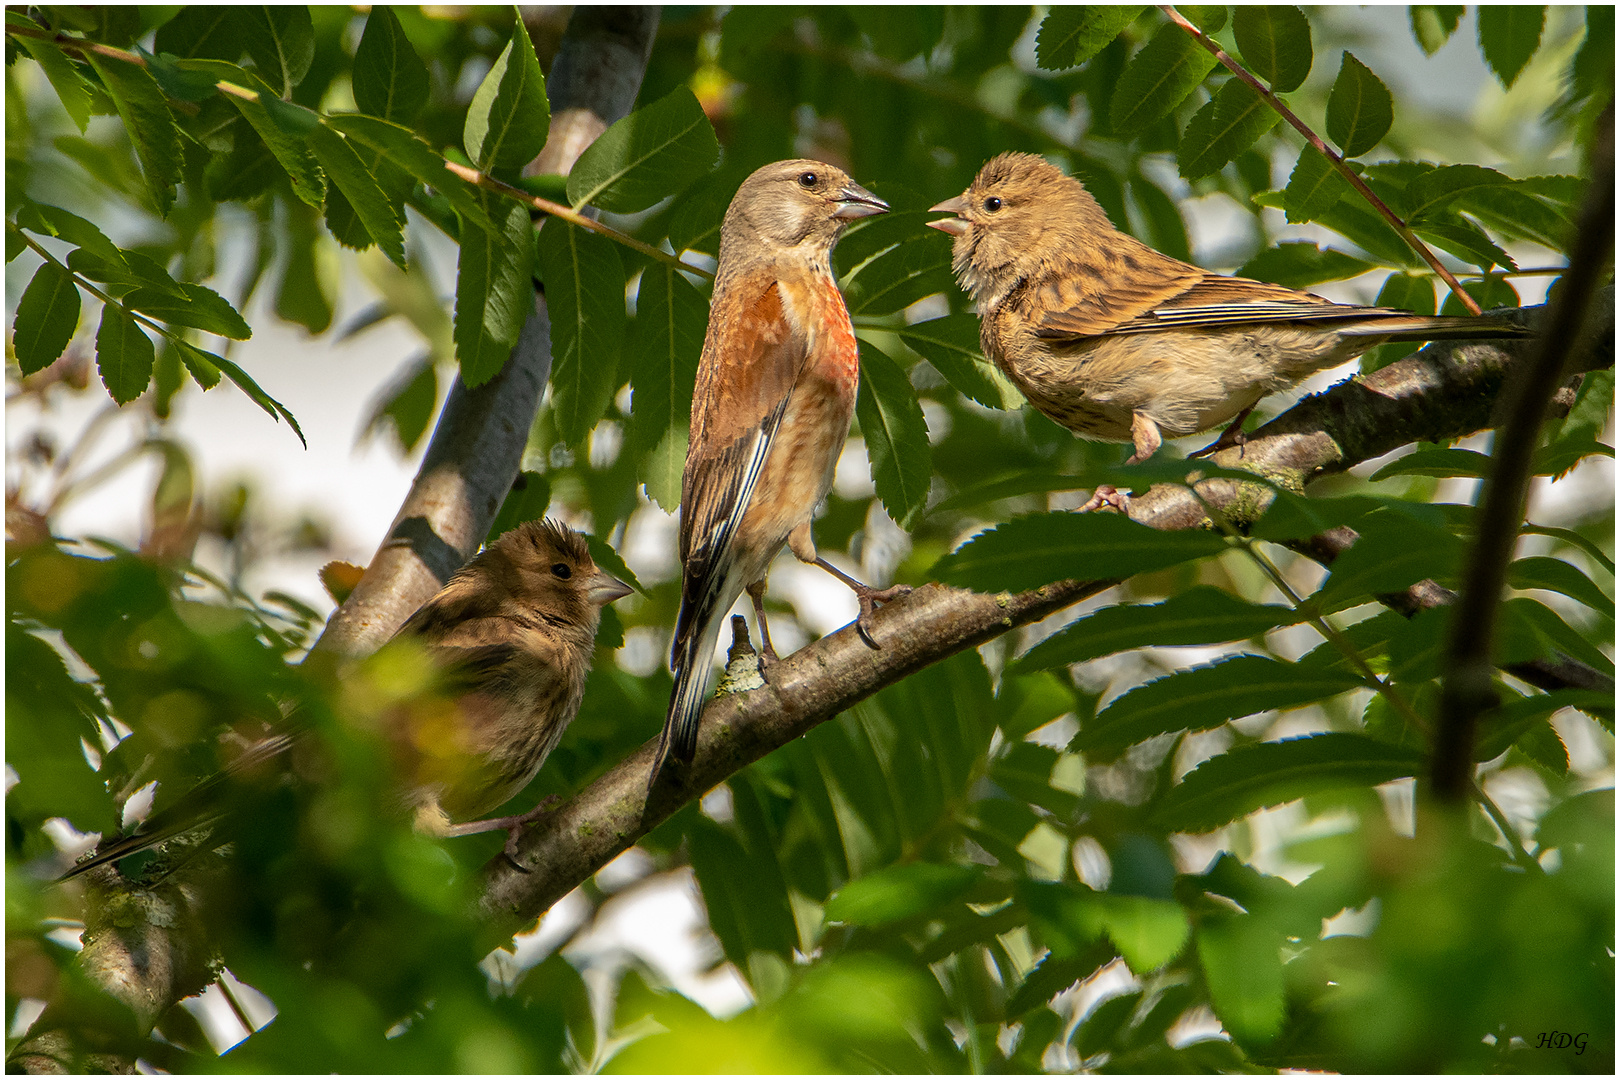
(1020, 213)
(795, 204)
(547, 568)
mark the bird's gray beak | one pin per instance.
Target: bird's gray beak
(855, 201)
(955, 226)
(605, 588)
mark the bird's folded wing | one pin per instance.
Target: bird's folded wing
(1217, 300)
(752, 358)
(1084, 298)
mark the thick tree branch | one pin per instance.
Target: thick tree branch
(478, 444)
(1445, 392)
(1466, 690)
(148, 948)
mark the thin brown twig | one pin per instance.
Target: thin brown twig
(572, 216)
(1334, 159)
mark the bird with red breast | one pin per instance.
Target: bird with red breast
(1116, 341)
(775, 392)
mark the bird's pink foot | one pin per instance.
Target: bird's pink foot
(869, 598)
(1107, 495)
(1232, 436)
(514, 824)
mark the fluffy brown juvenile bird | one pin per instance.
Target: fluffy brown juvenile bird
(775, 392)
(1117, 341)
(512, 635)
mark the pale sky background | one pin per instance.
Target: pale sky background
(332, 386)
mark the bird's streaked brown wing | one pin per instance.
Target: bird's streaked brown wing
(1218, 300)
(740, 400)
(1106, 290)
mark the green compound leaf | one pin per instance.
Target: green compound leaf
(1038, 549)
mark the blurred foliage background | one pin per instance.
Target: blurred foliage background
(959, 874)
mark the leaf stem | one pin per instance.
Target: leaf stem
(1509, 833)
(1246, 544)
(572, 216)
(84, 284)
(1334, 159)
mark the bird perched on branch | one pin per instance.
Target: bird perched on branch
(775, 391)
(1117, 341)
(512, 635)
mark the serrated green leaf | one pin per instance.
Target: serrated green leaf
(1314, 187)
(1359, 110)
(554, 988)
(585, 297)
(1492, 292)
(1201, 698)
(48, 712)
(896, 436)
(1209, 18)
(15, 244)
(150, 124)
(663, 347)
(1556, 575)
(1148, 932)
(1202, 615)
(1241, 956)
(607, 559)
(202, 31)
(900, 276)
(1299, 265)
(1433, 24)
(281, 40)
(1228, 124)
(509, 117)
(289, 148)
(1293, 517)
(1275, 40)
(1393, 552)
(401, 146)
(1509, 35)
(1166, 230)
(1024, 771)
(1531, 628)
(1466, 241)
(1157, 79)
(1038, 549)
(1574, 539)
(202, 308)
(1502, 726)
(951, 345)
(124, 355)
(383, 224)
(1451, 461)
(1069, 36)
(1517, 214)
(1249, 778)
(47, 315)
(695, 224)
(495, 291)
(406, 405)
(389, 79)
(646, 156)
(1436, 189)
(196, 359)
(70, 87)
(527, 501)
(899, 892)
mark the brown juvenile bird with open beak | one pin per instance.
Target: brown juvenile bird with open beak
(512, 635)
(1120, 342)
(775, 392)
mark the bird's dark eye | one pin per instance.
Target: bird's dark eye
(992, 204)
(561, 570)
(807, 179)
